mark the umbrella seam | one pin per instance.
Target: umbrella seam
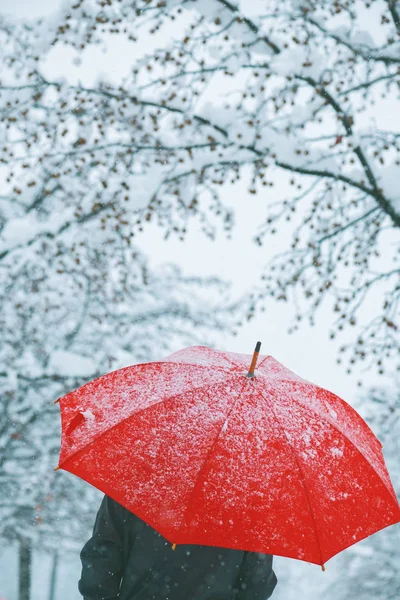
(212, 368)
(136, 413)
(219, 352)
(263, 361)
(209, 453)
(156, 362)
(241, 366)
(337, 428)
(301, 474)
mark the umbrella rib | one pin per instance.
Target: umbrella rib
(173, 396)
(219, 352)
(220, 367)
(263, 361)
(301, 474)
(337, 427)
(183, 364)
(209, 453)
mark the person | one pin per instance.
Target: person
(126, 559)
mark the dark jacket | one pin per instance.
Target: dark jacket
(127, 559)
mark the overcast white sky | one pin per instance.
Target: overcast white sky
(309, 353)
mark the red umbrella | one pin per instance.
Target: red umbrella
(207, 452)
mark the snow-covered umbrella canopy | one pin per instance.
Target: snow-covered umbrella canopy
(207, 455)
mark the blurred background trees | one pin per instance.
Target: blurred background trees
(300, 90)
(370, 568)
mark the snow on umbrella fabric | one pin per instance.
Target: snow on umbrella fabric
(207, 455)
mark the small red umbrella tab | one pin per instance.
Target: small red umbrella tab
(76, 421)
(254, 360)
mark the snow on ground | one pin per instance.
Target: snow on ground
(67, 580)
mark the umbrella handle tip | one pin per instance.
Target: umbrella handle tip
(254, 360)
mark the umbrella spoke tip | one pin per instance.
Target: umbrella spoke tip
(323, 567)
(57, 468)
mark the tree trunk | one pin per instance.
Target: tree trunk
(53, 581)
(25, 560)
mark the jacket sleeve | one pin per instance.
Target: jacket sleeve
(256, 579)
(102, 556)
